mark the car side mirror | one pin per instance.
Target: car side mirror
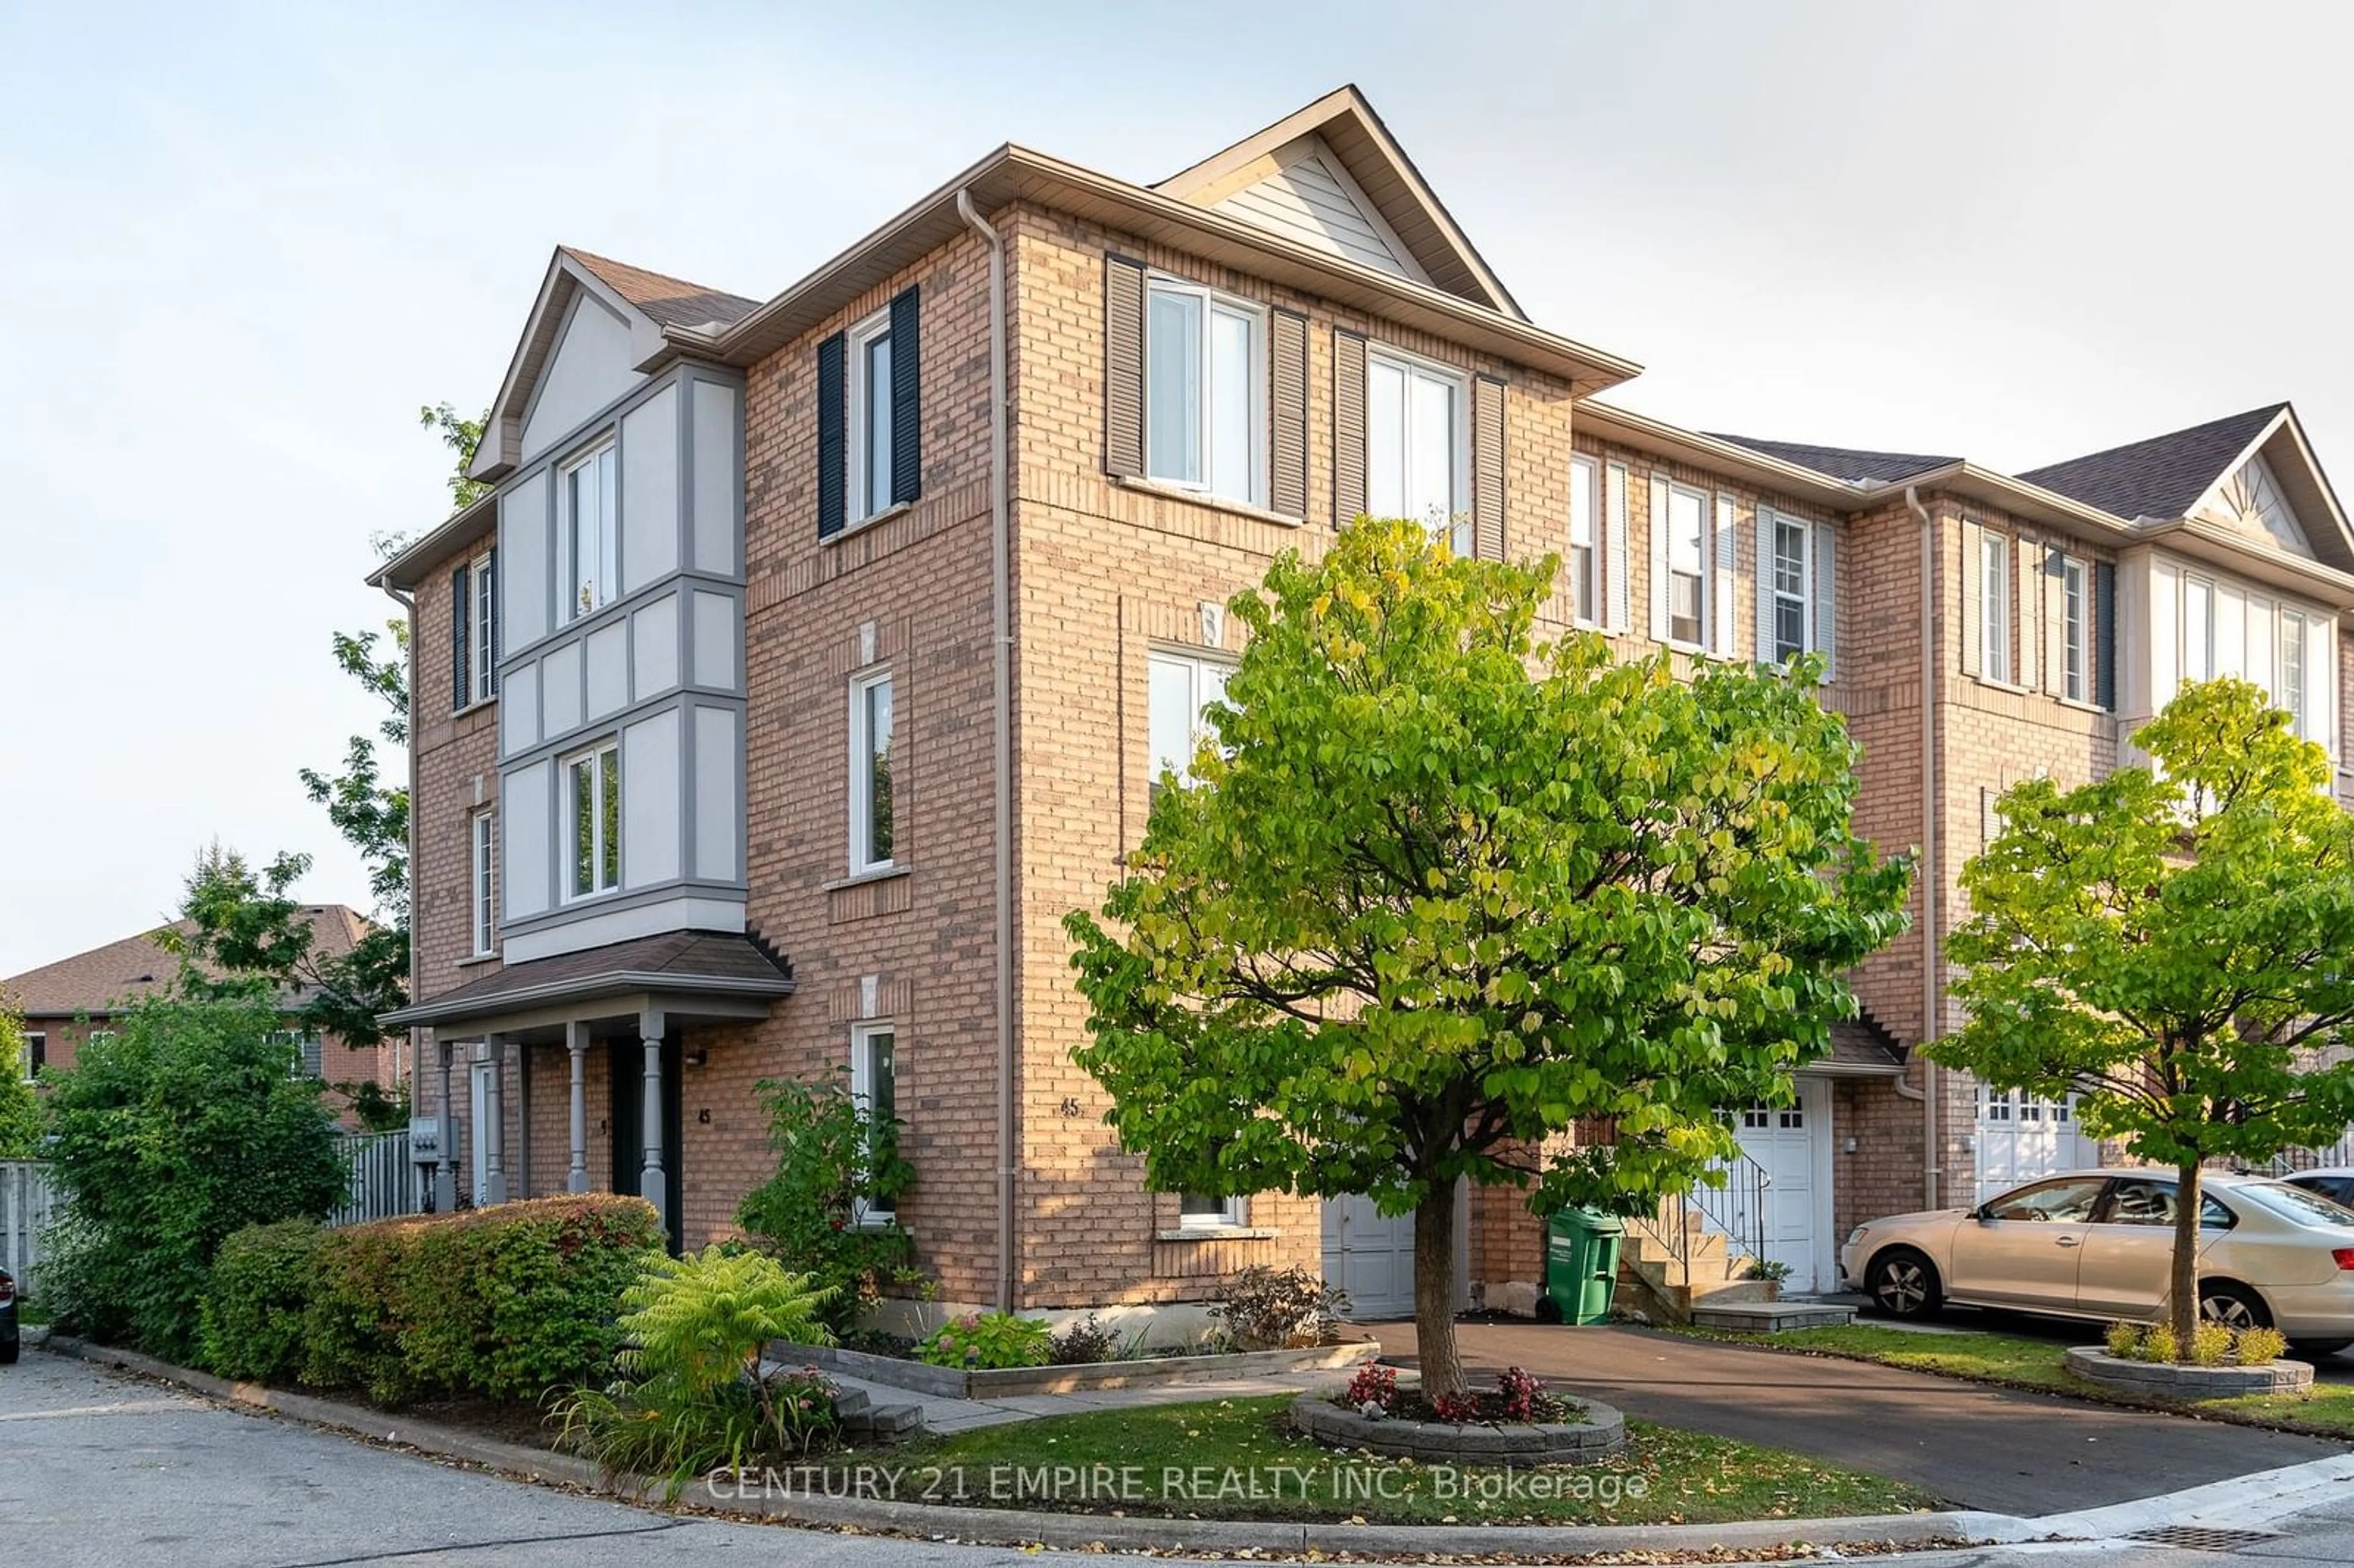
(1983, 1214)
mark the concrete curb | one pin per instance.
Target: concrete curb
(1012, 1526)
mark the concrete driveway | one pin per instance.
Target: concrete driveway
(103, 1469)
(1981, 1448)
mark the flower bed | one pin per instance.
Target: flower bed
(2173, 1379)
(959, 1382)
(1598, 1432)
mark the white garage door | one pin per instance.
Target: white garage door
(2022, 1138)
(1371, 1256)
(1791, 1144)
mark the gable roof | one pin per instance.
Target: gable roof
(667, 301)
(124, 971)
(1342, 131)
(2161, 476)
(1857, 465)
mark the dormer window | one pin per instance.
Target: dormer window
(588, 533)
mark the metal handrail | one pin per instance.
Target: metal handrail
(1735, 1211)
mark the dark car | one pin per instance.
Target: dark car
(7, 1317)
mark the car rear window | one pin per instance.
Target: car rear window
(2296, 1204)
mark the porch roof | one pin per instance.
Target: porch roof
(717, 966)
(1861, 1045)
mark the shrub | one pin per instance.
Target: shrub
(505, 1302)
(2124, 1339)
(1269, 1309)
(833, 1158)
(1374, 1390)
(982, 1341)
(2210, 1343)
(1523, 1397)
(20, 1107)
(1085, 1343)
(693, 1395)
(185, 1124)
(2255, 1347)
(2157, 1343)
(250, 1322)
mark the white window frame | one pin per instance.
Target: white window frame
(479, 611)
(606, 583)
(1457, 526)
(603, 756)
(1213, 303)
(1805, 598)
(862, 775)
(862, 503)
(482, 862)
(1231, 1214)
(863, 1036)
(2206, 634)
(2289, 634)
(1707, 575)
(1585, 586)
(1195, 662)
(1995, 565)
(2076, 629)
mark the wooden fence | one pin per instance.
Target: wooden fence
(25, 1211)
(382, 1183)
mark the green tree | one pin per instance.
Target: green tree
(185, 1124)
(462, 436)
(1440, 890)
(20, 1108)
(2170, 943)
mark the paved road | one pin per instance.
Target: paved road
(96, 1470)
(1977, 1447)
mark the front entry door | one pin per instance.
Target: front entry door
(1791, 1147)
(478, 1121)
(1371, 1256)
(626, 1059)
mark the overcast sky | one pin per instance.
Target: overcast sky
(239, 244)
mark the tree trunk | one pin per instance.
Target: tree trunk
(1434, 1295)
(2184, 1292)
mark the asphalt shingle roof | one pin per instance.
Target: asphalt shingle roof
(1853, 464)
(2163, 476)
(670, 301)
(687, 961)
(136, 966)
(1863, 1042)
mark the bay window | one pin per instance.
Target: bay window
(483, 858)
(2198, 628)
(592, 805)
(588, 533)
(2290, 697)
(1205, 358)
(1415, 445)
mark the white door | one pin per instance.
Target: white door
(1791, 1144)
(1371, 1256)
(477, 1119)
(2023, 1138)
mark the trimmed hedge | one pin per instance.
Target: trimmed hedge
(251, 1318)
(501, 1303)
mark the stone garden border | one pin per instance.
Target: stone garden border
(1601, 1434)
(1003, 1383)
(2171, 1381)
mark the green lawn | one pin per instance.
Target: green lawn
(2020, 1362)
(1206, 1460)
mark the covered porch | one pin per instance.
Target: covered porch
(608, 1022)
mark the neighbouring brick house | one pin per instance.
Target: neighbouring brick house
(67, 1002)
(811, 657)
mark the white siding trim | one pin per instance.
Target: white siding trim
(1617, 573)
(1728, 568)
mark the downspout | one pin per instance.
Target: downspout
(409, 607)
(1001, 594)
(1931, 993)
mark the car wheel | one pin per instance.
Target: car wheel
(8, 1355)
(2315, 1349)
(1904, 1284)
(2233, 1306)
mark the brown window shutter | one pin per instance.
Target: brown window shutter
(1488, 468)
(1123, 366)
(1348, 427)
(1287, 446)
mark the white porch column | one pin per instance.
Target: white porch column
(445, 1174)
(576, 1040)
(652, 1184)
(493, 1131)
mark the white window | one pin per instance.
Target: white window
(1687, 607)
(1200, 1211)
(1415, 445)
(2291, 695)
(2198, 628)
(485, 829)
(1182, 686)
(1205, 396)
(870, 773)
(1792, 541)
(480, 619)
(592, 807)
(588, 533)
(875, 1084)
(1585, 553)
(2075, 601)
(870, 401)
(1994, 605)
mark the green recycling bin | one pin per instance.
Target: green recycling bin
(1582, 1263)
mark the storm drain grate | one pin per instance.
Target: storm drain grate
(2203, 1537)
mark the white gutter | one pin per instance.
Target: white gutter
(409, 607)
(1931, 997)
(1000, 594)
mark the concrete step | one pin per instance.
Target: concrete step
(1770, 1317)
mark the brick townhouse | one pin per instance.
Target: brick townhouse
(808, 658)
